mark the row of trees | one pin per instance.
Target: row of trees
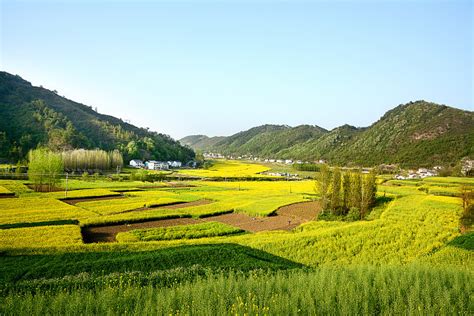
(306, 167)
(46, 167)
(97, 159)
(346, 192)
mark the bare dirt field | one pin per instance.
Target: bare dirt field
(180, 185)
(185, 204)
(286, 218)
(7, 195)
(108, 233)
(172, 206)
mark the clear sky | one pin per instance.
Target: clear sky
(219, 67)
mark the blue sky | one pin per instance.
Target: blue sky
(218, 67)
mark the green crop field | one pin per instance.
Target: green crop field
(210, 229)
(408, 256)
(228, 169)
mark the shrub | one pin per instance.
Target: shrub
(354, 214)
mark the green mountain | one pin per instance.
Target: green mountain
(31, 116)
(200, 142)
(415, 134)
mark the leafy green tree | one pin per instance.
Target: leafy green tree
(199, 157)
(356, 190)
(132, 149)
(467, 197)
(346, 191)
(336, 191)
(369, 191)
(18, 171)
(44, 169)
(322, 186)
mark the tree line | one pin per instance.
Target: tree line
(45, 167)
(306, 167)
(96, 159)
(346, 193)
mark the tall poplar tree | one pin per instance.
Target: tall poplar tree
(322, 186)
(346, 191)
(336, 191)
(369, 191)
(356, 190)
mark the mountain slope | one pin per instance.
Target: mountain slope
(415, 134)
(32, 116)
(200, 142)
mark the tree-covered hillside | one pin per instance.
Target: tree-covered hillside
(414, 134)
(32, 116)
(200, 142)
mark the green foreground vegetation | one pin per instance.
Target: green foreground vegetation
(411, 254)
(355, 291)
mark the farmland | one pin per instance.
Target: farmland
(232, 247)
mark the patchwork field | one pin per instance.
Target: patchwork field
(229, 169)
(168, 245)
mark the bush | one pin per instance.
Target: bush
(354, 214)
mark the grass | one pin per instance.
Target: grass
(228, 169)
(77, 184)
(35, 209)
(209, 229)
(87, 193)
(104, 260)
(16, 186)
(5, 191)
(344, 291)
(407, 257)
(42, 236)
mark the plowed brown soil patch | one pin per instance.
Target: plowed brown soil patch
(180, 185)
(185, 204)
(108, 233)
(286, 218)
(305, 211)
(172, 206)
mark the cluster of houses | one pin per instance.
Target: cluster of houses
(155, 165)
(283, 174)
(249, 157)
(467, 167)
(421, 173)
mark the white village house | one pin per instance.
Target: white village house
(175, 164)
(156, 165)
(136, 163)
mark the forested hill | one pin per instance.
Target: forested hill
(414, 134)
(32, 116)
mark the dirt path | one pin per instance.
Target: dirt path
(286, 218)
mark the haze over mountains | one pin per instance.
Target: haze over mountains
(414, 134)
(32, 116)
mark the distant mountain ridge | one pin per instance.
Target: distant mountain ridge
(32, 116)
(414, 134)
